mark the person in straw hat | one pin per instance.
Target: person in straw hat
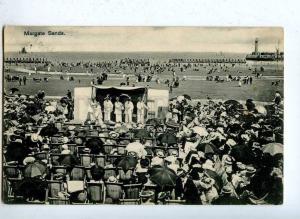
(108, 108)
(209, 192)
(141, 106)
(118, 110)
(147, 197)
(128, 110)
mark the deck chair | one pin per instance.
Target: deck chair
(109, 172)
(77, 173)
(41, 156)
(56, 147)
(11, 171)
(108, 148)
(54, 158)
(79, 149)
(72, 148)
(54, 187)
(100, 160)
(132, 191)
(86, 159)
(88, 173)
(114, 191)
(112, 158)
(58, 201)
(130, 201)
(175, 202)
(121, 149)
(12, 185)
(58, 170)
(96, 192)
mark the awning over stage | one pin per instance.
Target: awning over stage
(117, 87)
(100, 92)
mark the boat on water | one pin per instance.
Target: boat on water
(265, 56)
(23, 51)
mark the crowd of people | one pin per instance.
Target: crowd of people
(201, 153)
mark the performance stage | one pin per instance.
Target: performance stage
(156, 99)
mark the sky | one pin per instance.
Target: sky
(144, 39)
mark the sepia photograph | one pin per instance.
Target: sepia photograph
(142, 115)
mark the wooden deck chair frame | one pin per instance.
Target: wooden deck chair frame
(112, 158)
(108, 184)
(11, 171)
(90, 186)
(100, 160)
(72, 148)
(41, 155)
(124, 201)
(54, 187)
(54, 157)
(121, 149)
(58, 201)
(86, 159)
(10, 194)
(109, 170)
(73, 177)
(175, 202)
(79, 149)
(127, 187)
(62, 170)
(108, 148)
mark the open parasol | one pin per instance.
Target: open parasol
(168, 138)
(207, 148)
(127, 162)
(163, 176)
(34, 169)
(273, 148)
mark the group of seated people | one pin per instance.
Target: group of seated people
(203, 153)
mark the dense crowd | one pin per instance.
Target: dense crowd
(201, 153)
(134, 65)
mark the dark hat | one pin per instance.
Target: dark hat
(144, 163)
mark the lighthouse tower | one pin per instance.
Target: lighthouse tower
(256, 46)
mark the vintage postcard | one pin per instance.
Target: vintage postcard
(142, 115)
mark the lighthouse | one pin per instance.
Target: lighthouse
(256, 46)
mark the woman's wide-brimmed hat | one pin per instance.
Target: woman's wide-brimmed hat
(146, 194)
(114, 134)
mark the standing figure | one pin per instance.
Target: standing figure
(277, 99)
(141, 111)
(118, 110)
(90, 114)
(98, 114)
(108, 108)
(24, 80)
(128, 111)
